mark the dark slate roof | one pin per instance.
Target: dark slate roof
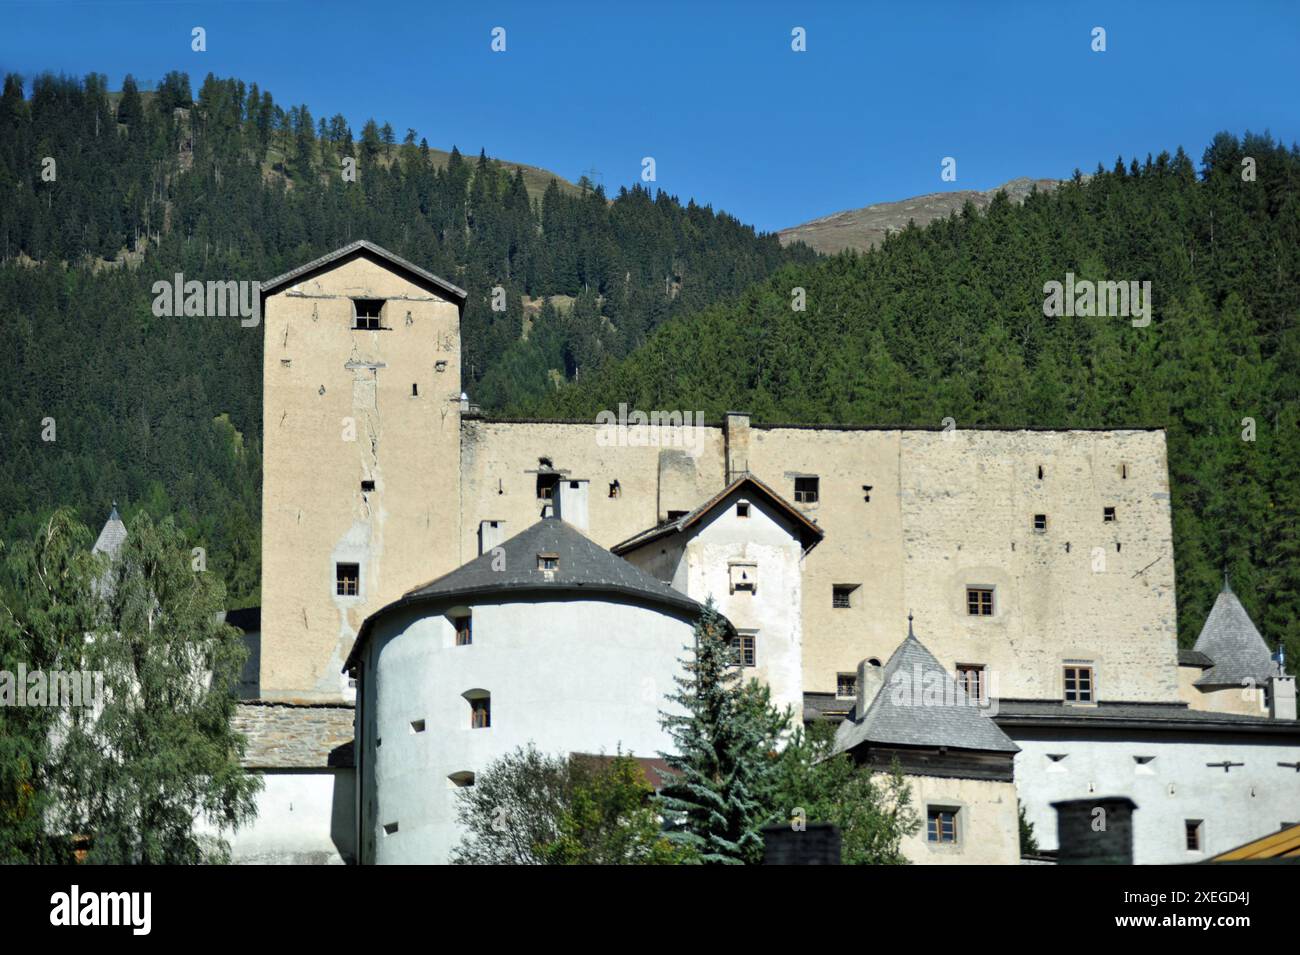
(1121, 715)
(584, 568)
(809, 533)
(112, 536)
(907, 714)
(1230, 639)
(1194, 658)
(352, 250)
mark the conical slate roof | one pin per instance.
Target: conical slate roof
(111, 537)
(919, 704)
(583, 567)
(1230, 639)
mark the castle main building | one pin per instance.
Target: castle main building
(1037, 566)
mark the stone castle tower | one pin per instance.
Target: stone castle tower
(361, 437)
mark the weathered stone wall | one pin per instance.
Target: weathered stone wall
(987, 822)
(339, 409)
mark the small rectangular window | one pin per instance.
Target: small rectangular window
(1192, 828)
(367, 486)
(347, 579)
(546, 486)
(417, 726)
(464, 630)
(743, 644)
(742, 509)
(806, 490)
(979, 601)
(615, 490)
(677, 515)
(1078, 684)
(842, 596)
(941, 825)
(970, 677)
(548, 561)
(1040, 522)
(1108, 515)
(846, 684)
(366, 313)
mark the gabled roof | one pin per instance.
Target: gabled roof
(112, 536)
(1230, 639)
(353, 250)
(584, 567)
(809, 533)
(919, 704)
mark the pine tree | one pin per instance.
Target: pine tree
(725, 750)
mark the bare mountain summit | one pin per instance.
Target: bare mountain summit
(864, 228)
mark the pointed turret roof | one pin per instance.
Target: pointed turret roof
(111, 537)
(1230, 638)
(919, 704)
(582, 567)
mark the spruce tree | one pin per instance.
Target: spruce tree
(726, 735)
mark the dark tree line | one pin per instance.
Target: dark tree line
(948, 321)
(165, 415)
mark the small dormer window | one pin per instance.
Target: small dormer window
(548, 562)
(366, 313)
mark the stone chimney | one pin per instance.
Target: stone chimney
(871, 677)
(571, 502)
(1281, 697)
(735, 433)
(1095, 831)
(490, 533)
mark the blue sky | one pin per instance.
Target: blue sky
(732, 116)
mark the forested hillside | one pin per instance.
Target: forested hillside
(106, 192)
(949, 321)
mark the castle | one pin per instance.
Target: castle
(440, 586)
